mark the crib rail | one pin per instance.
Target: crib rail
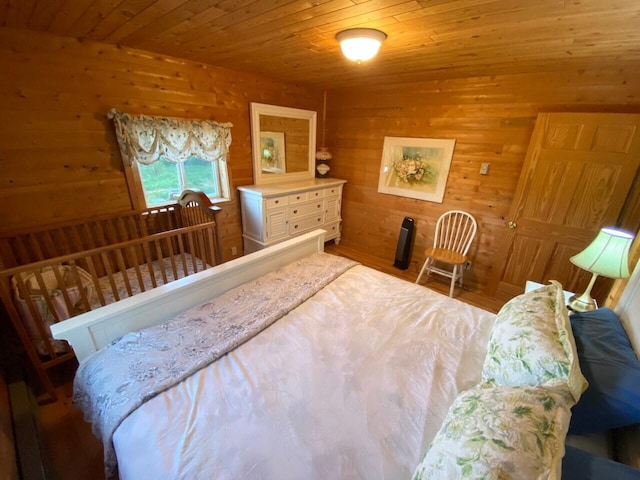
(55, 273)
(33, 245)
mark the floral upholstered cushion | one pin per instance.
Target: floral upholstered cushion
(532, 343)
(500, 433)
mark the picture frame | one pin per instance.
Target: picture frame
(273, 152)
(415, 167)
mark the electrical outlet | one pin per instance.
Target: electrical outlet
(484, 168)
(467, 266)
(234, 250)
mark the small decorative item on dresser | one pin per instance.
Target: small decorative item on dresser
(322, 169)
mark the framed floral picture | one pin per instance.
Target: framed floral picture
(415, 167)
(272, 149)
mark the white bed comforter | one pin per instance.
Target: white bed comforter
(352, 384)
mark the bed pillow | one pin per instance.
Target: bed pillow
(612, 369)
(531, 343)
(500, 432)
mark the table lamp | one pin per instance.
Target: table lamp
(607, 255)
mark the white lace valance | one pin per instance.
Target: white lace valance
(145, 139)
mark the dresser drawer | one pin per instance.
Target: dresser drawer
(305, 224)
(333, 230)
(330, 192)
(297, 198)
(276, 202)
(315, 194)
(297, 211)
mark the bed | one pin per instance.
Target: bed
(57, 272)
(339, 371)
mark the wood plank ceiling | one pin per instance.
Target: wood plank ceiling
(294, 40)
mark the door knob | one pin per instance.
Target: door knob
(512, 225)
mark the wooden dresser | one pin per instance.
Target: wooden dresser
(277, 212)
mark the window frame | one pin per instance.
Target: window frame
(136, 188)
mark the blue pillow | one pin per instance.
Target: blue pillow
(612, 369)
(580, 465)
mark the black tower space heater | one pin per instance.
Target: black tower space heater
(403, 251)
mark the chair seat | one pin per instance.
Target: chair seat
(444, 255)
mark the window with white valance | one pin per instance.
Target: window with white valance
(165, 155)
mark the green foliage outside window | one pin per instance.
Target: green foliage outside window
(163, 179)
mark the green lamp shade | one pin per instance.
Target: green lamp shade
(607, 255)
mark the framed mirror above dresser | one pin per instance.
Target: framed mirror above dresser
(286, 199)
(283, 143)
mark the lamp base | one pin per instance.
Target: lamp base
(582, 303)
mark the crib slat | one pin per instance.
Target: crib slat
(189, 235)
(96, 282)
(149, 261)
(75, 235)
(62, 286)
(182, 256)
(37, 320)
(122, 267)
(107, 265)
(159, 256)
(81, 286)
(35, 246)
(132, 257)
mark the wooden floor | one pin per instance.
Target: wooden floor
(435, 282)
(74, 453)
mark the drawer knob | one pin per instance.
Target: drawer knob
(297, 198)
(295, 211)
(319, 219)
(277, 201)
(319, 205)
(295, 226)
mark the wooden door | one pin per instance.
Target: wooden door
(577, 174)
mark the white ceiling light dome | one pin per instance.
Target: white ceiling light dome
(360, 44)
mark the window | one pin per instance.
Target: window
(163, 156)
(162, 180)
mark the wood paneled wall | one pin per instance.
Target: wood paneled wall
(491, 119)
(59, 157)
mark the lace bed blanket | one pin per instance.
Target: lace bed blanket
(121, 377)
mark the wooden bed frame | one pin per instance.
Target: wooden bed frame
(89, 332)
(92, 330)
(54, 273)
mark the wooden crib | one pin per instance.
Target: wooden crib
(60, 271)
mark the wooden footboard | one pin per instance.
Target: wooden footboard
(91, 331)
(58, 272)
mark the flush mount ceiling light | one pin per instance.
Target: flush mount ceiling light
(360, 44)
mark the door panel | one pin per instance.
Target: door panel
(576, 178)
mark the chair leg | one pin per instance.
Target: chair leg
(453, 280)
(425, 266)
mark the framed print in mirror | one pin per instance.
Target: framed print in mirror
(415, 167)
(272, 149)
